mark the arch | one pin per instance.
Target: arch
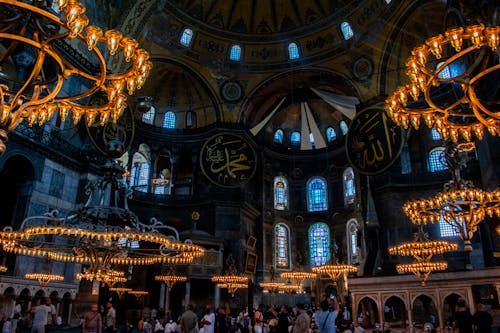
(395, 311)
(25, 293)
(367, 312)
(353, 253)
(186, 37)
(191, 119)
(170, 120)
(293, 51)
(40, 293)
(449, 306)
(140, 169)
(436, 160)
(278, 136)
(317, 194)
(331, 134)
(149, 116)
(281, 246)
(54, 295)
(280, 193)
(295, 138)
(319, 244)
(349, 185)
(163, 176)
(9, 292)
(346, 30)
(343, 127)
(235, 52)
(424, 311)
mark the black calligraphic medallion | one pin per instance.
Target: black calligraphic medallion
(373, 141)
(228, 160)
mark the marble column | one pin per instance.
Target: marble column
(162, 304)
(187, 296)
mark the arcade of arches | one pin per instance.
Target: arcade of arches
(278, 84)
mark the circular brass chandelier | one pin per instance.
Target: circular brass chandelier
(120, 290)
(422, 270)
(334, 271)
(102, 235)
(107, 276)
(3, 268)
(60, 51)
(447, 77)
(230, 280)
(171, 278)
(298, 277)
(44, 278)
(271, 286)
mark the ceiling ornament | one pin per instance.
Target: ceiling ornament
(449, 88)
(46, 53)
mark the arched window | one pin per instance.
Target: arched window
(280, 193)
(437, 160)
(319, 244)
(191, 119)
(139, 173)
(353, 255)
(293, 51)
(169, 120)
(388, 1)
(343, 127)
(435, 135)
(149, 117)
(349, 186)
(281, 246)
(331, 135)
(317, 195)
(346, 30)
(446, 229)
(278, 136)
(187, 37)
(235, 53)
(295, 138)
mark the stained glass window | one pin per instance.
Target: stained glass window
(437, 160)
(169, 120)
(349, 186)
(278, 136)
(280, 193)
(445, 72)
(343, 127)
(293, 51)
(435, 135)
(295, 138)
(282, 246)
(352, 237)
(187, 37)
(235, 53)
(317, 197)
(331, 135)
(139, 174)
(149, 117)
(346, 30)
(319, 244)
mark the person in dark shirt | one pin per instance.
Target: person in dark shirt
(482, 320)
(284, 320)
(463, 318)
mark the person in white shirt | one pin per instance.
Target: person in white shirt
(51, 316)
(170, 327)
(40, 313)
(208, 320)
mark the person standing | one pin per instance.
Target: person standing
(303, 321)
(258, 318)
(284, 320)
(208, 320)
(110, 318)
(189, 320)
(482, 320)
(463, 318)
(92, 321)
(325, 317)
(221, 322)
(51, 317)
(40, 313)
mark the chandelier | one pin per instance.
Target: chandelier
(334, 271)
(298, 277)
(44, 278)
(422, 249)
(449, 76)
(102, 234)
(171, 278)
(460, 204)
(107, 276)
(139, 293)
(120, 290)
(230, 280)
(3, 268)
(271, 286)
(289, 288)
(37, 62)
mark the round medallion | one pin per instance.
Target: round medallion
(362, 68)
(231, 91)
(373, 141)
(228, 160)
